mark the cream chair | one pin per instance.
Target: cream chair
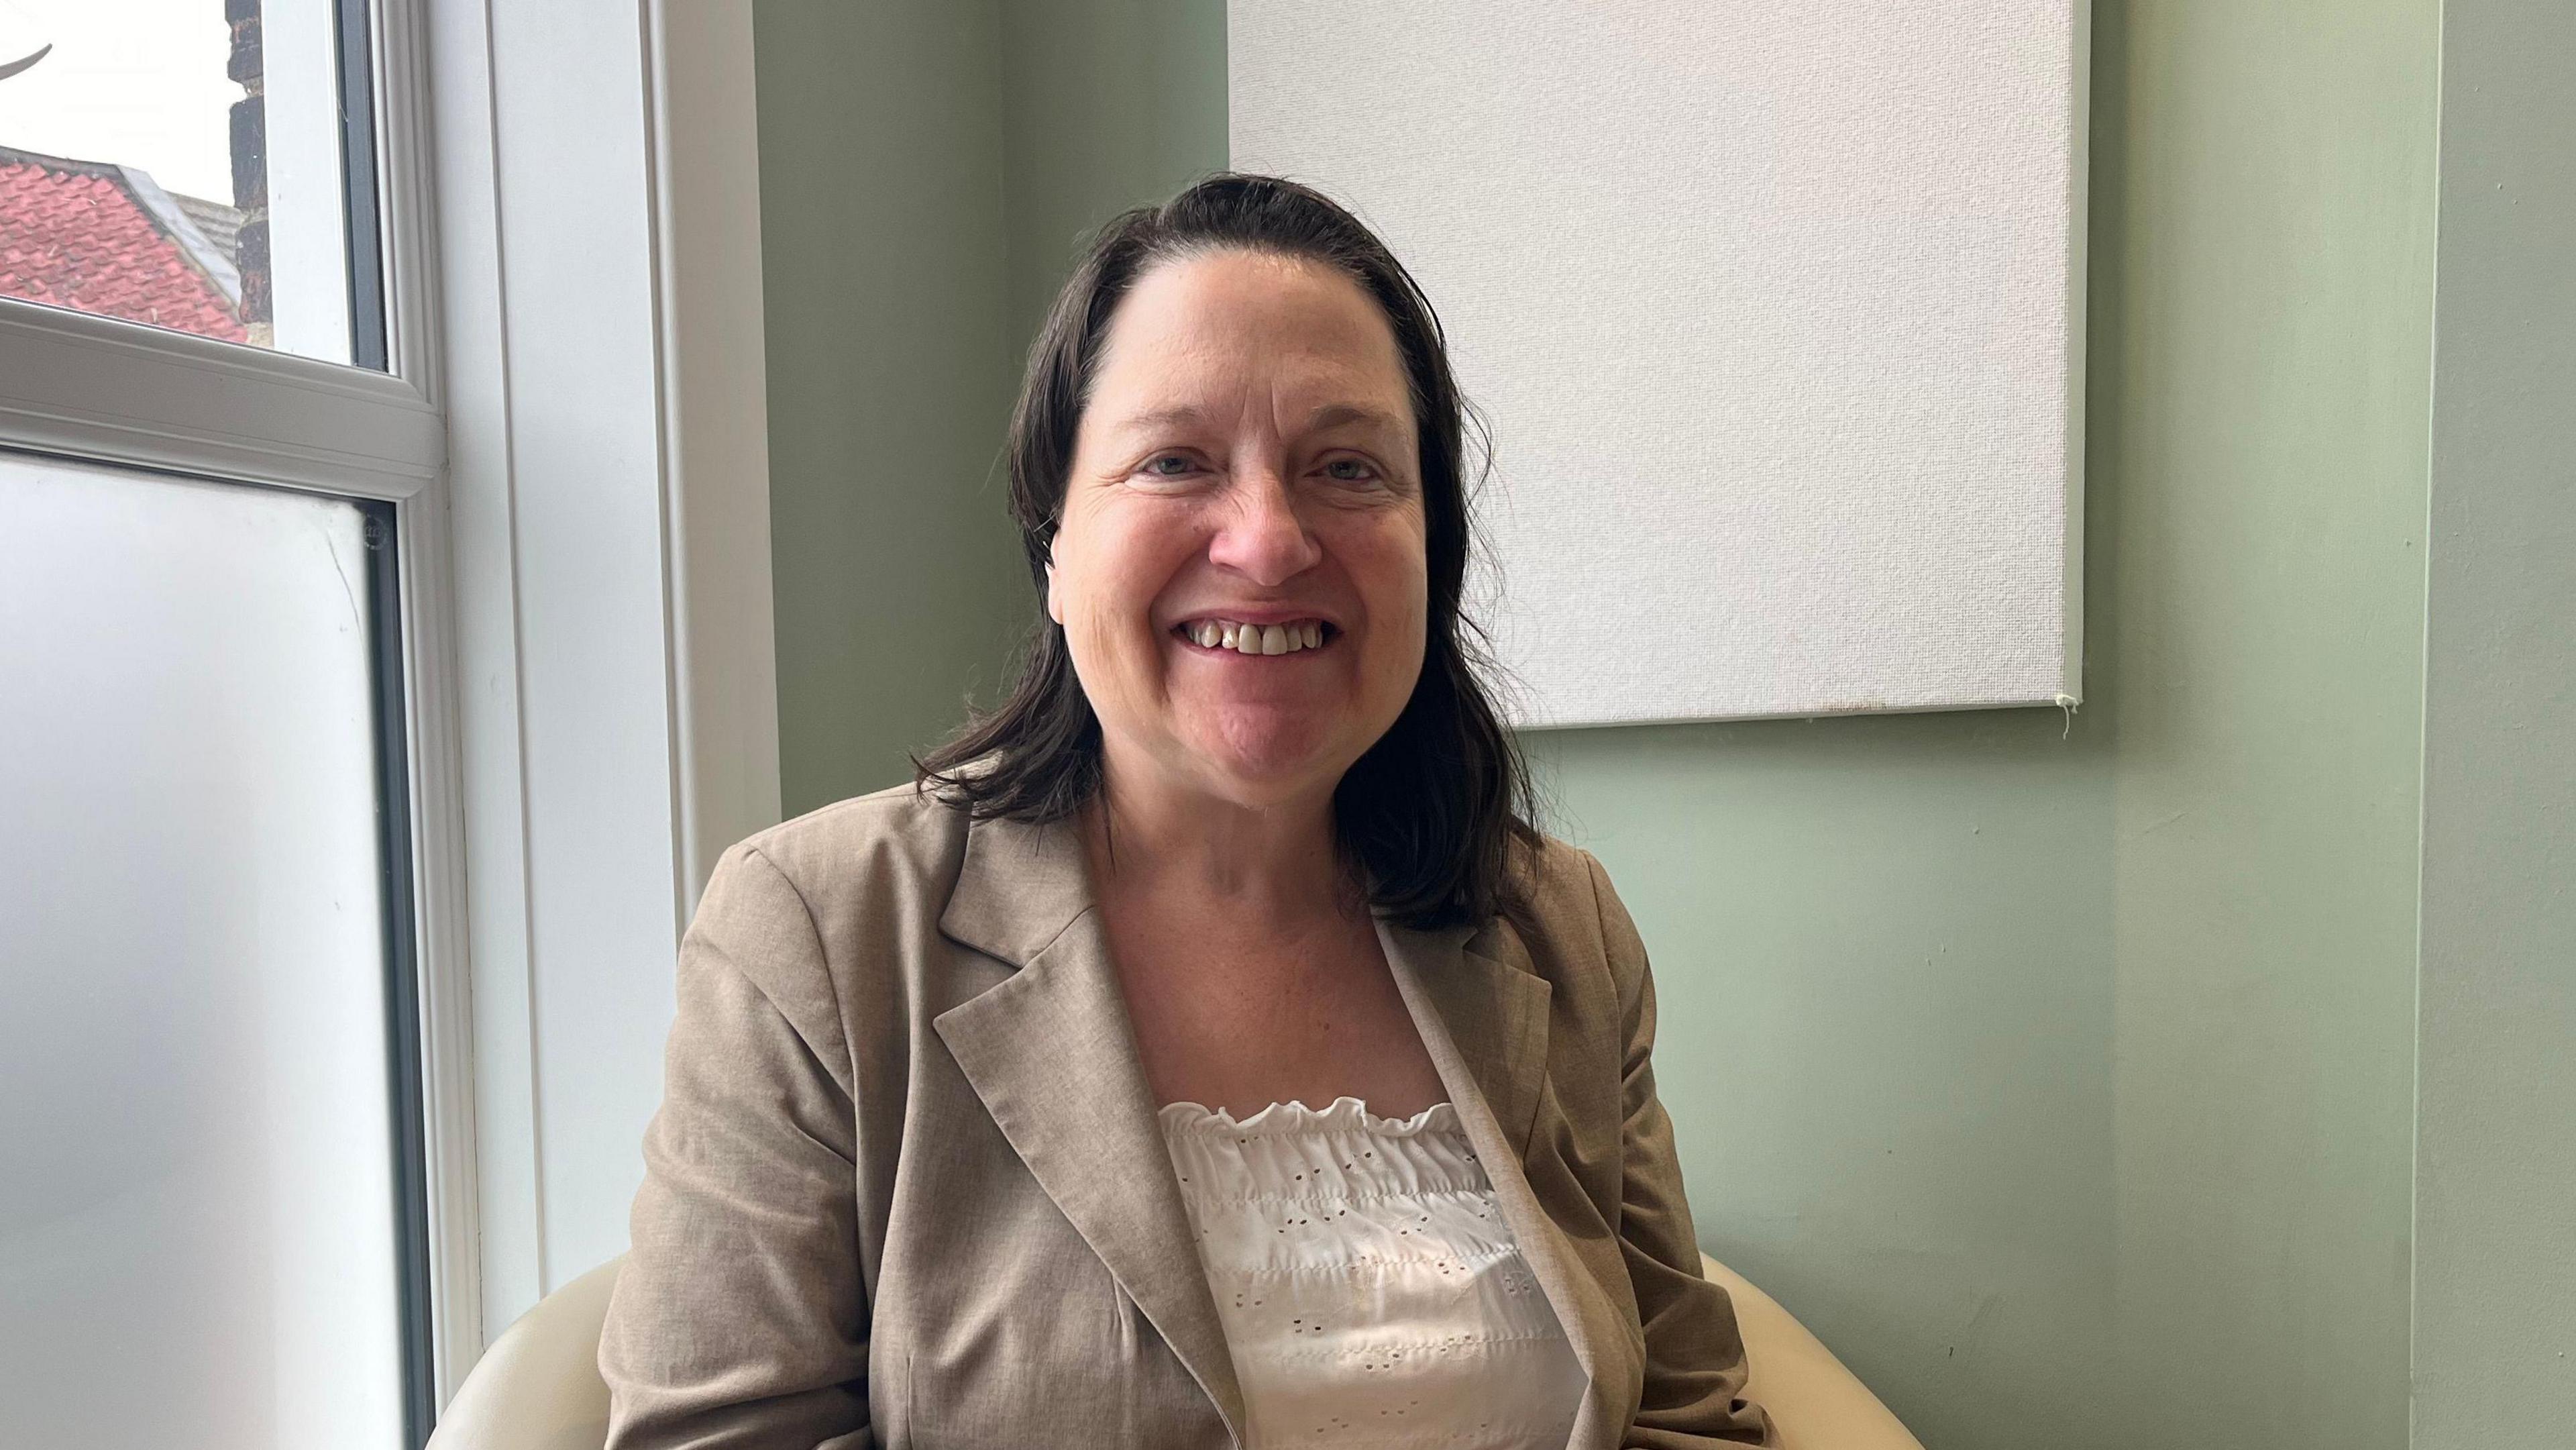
(1815, 1402)
(538, 1386)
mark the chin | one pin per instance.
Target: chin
(1263, 761)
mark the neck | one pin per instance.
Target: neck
(1147, 833)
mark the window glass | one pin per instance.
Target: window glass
(179, 163)
(198, 1212)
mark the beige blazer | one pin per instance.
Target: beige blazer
(907, 1187)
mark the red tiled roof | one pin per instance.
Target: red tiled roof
(73, 236)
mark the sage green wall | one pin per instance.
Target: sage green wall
(885, 268)
(2056, 1071)
(2495, 1157)
(2263, 407)
(2060, 1073)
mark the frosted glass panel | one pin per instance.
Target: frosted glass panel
(197, 1226)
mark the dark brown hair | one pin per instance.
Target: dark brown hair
(1435, 808)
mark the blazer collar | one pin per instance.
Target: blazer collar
(1052, 1054)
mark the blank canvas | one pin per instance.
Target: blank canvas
(1775, 311)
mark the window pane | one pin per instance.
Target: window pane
(198, 1239)
(179, 163)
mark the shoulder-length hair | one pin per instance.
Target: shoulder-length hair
(1435, 809)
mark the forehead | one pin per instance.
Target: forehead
(1195, 339)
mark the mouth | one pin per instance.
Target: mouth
(1216, 635)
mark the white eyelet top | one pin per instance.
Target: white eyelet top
(1370, 1291)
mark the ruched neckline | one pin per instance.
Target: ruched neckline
(1293, 1116)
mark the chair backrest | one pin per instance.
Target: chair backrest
(538, 1386)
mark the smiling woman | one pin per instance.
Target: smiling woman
(1241, 410)
(1206, 1046)
(1269, 500)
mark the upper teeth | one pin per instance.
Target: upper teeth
(1257, 639)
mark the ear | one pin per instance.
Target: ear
(1054, 606)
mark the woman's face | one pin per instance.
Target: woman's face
(1239, 567)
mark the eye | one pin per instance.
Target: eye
(1365, 474)
(1153, 467)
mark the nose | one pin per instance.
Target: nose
(1261, 536)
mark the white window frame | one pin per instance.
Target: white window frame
(572, 431)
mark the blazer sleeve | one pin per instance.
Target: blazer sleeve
(740, 1319)
(1695, 1363)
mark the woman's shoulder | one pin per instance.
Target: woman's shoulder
(1558, 883)
(1564, 913)
(903, 840)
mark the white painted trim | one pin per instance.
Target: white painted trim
(406, 157)
(600, 330)
(411, 288)
(473, 378)
(99, 387)
(445, 986)
(715, 426)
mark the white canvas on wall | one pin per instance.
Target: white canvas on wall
(1775, 310)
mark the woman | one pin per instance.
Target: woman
(1204, 1048)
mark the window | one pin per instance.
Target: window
(220, 459)
(181, 163)
(555, 499)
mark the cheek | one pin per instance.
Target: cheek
(1394, 582)
(1100, 630)
(1402, 566)
(1107, 577)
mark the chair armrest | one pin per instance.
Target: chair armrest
(538, 1386)
(1814, 1401)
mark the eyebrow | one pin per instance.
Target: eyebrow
(1330, 415)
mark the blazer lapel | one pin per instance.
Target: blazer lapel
(1492, 1016)
(1051, 1053)
(1484, 1022)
